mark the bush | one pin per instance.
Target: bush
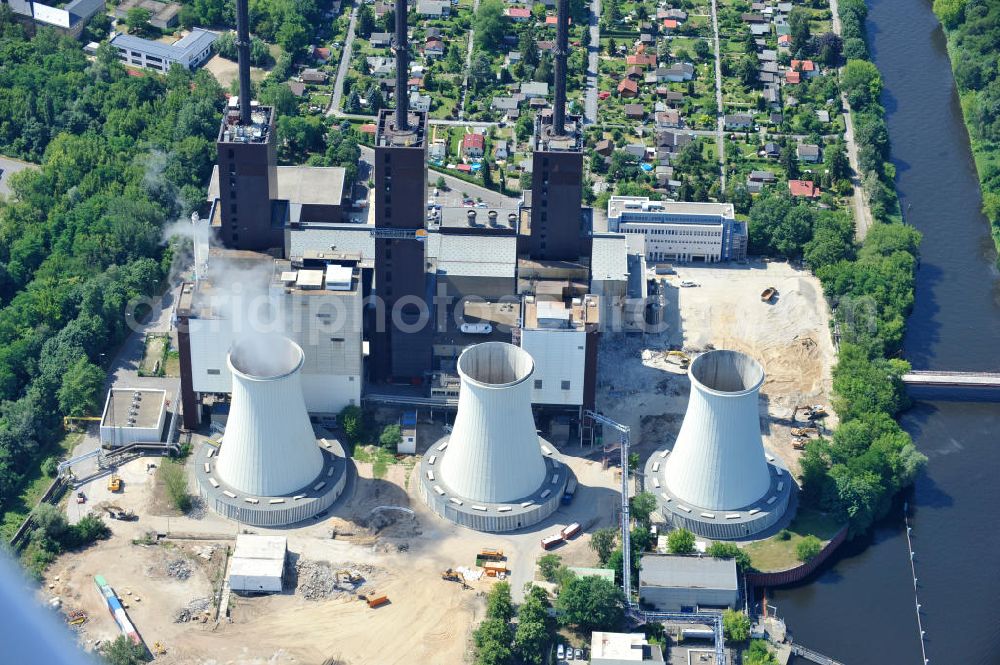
(175, 481)
(736, 625)
(548, 566)
(680, 541)
(807, 548)
(784, 534)
(351, 419)
(123, 651)
(391, 437)
(721, 550)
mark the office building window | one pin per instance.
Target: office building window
(565, 385)
(214, 372)
(538, 384)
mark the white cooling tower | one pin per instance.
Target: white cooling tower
(269, 448)
(718, 461)
(493, 453)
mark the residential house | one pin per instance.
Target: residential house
(313, 76)
(758, 179)
(604, 147)
(670, 24)
(434, 8)
(380, 39)
(785, 41)
(669, 119)
(519, 14)
(635, 112)
(636, 150)
(823, 115)
(506, 104)
(771, 150)
(760, 29)
(673, 141)
(628, 88)
(512, 58)
(671, 97)
(473, 146)
(785, 8)
(678, 15)
(664, 177)
(752, 18)
(534, 89)
(382, 8)
(768, 55)
(297, 87)
(738, 121)
(437, 150)
(553, 20)
(649, 78)
(433, 33)
(676, 73)
(321, 53)
(807, 152)
(806, 67)
(793, 77)
(634, 73)
(771, 96)
(500, 151)
(646, 39)
(381, 67)
(640, 60)
(804, 188)
(434, 48)
(546, 45)
(420, 102)
(775, 118)
(415, 83)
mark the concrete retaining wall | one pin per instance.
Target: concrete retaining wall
(799, 573)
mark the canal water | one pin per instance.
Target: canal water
(860, 609)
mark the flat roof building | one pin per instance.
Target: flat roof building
(133, 415)
(189, 51)
(258, 563)
(680, 231)
(623, 649)
(681, 583)
(163, 15)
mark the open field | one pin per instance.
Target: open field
(778, 554)
(428, 620)
(790, 337)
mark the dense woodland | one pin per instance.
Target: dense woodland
(120, 157)
(973, 28)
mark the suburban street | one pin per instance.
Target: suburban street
(468, 62)
(345, 64)
(593, 64)
(720, 121)
(862, 214)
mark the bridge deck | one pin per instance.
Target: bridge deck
(971, 379)
(813, 656)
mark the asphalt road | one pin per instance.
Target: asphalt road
(721, 111)
(345, 64)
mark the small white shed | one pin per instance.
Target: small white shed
(258, 564)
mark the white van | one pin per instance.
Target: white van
(476, 328)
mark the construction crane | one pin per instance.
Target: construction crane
(632, 607)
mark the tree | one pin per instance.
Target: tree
(534, 626)
(123, 651)
(641, 506)
(366, 21)
(759, 654)
(789, 161)
(548, 565)
(746, 71)
(949, 12)
(391, 437)
(81, 388)
(493, 642)
(807, 548)
(721, 550)
(602, 541)
(591, 603)
(702, 49)
(485, 172)
(137, 20)
(680, 541)
(498, 602)
(440, 183)
(798, 24)
(480, 72)
(836, 161)
(528, 45)
(351, 421)
(353, 102)
(736, 625)
(489, 25)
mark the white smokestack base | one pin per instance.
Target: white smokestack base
(494, 455)
(718, 460)
(269, 448)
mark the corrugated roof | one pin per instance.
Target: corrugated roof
(475, 256)
(609, 258)
(347, 238)
(250, 546)
(192, 44)
(688, 572)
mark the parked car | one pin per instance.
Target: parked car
(476, 328)
(579, 654)
(560, 652)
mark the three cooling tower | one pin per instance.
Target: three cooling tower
(717, 480)
(493, 472)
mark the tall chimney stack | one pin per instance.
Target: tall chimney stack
(402, 69)
(243, 50)
(562, 48)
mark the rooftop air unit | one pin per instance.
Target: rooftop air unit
(269, 447)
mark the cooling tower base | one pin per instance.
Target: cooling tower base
(308, 502)
(738, 524)
(492, 517)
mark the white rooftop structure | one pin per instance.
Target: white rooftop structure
(623, 649)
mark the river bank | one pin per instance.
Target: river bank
(860, 607)
(973, 44)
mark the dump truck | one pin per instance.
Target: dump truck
(570, 531)
(799, 444)
(804, 431)
(375, 600)
(494, 569)
(114, 483)
(490, 553)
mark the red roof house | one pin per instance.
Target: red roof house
(792, 76)
(628, 88)
(804, 188)
(670, 24)
(473, 145)
(518, 13)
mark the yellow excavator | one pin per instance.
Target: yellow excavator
(452, 575)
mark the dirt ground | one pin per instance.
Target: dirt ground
(226, 71)
(790, 337)
(428, 620)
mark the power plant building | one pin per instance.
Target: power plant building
(316, 301)
(686, 583)
(133, 415)
(716, 480)
(493, 472)
(680, 231)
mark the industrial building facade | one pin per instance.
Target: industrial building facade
(685, 583)
(672, 231)
(189, 51)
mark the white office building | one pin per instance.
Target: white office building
(680, 231)
(189, 51)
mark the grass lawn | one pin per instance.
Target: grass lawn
(777, 554)
(380, 459)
